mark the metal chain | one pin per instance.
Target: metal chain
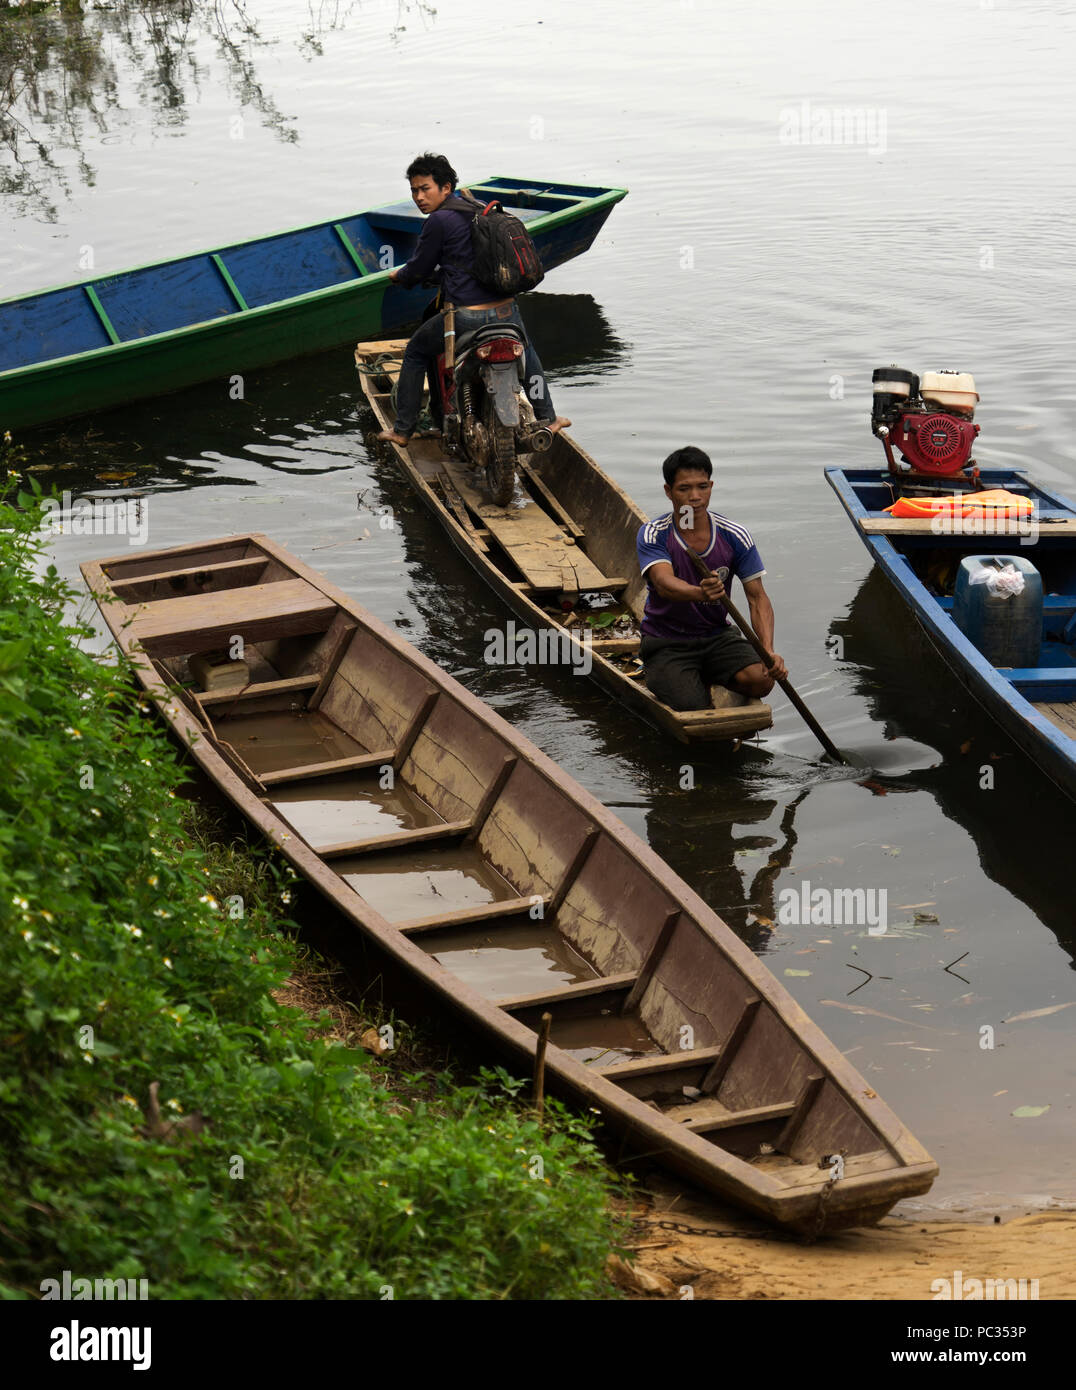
(820, 1214)
(681, 1228)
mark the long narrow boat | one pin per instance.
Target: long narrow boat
(105, 341)
(500, 883)
(1036, 705)
(569, 532)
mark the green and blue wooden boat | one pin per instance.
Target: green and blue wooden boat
(160, 327)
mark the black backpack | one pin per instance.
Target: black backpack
(506, 260)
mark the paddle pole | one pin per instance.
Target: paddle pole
(737, 617)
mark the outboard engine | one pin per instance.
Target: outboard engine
(929, 421)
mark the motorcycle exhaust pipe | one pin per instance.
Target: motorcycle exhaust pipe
(537, 442)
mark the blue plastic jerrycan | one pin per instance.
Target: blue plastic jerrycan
(1005, 626)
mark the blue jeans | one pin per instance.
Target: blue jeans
(428, 341)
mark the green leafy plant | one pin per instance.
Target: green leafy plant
(162, 1116)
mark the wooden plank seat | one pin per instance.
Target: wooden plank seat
(483, 913)
(202, 622)
(924, 526)
(358, 763)
(584, 989)
(656, 1066)
(399, 839)
(708, 1116)
(234, 573)
(291, 685)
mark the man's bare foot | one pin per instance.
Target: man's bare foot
(555, 426)
(391, 437)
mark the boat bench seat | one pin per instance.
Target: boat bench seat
(202, 622)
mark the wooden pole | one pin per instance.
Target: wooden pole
(450, 338)
(539, 1064)
(737, 617)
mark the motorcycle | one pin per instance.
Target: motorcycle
(487, 418)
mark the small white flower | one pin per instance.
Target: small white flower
(174, 1105)
(20, 902)
(75, 955)
(94, 811)
(159, 912)
(88, 1057)
(74, 733)
(27, 936)
(167, 963)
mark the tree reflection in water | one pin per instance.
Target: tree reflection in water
(66, 69)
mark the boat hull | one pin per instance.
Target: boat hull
(1000, 692)
(230, 340)
(645, 948)
(610, 521)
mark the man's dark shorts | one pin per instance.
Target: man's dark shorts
(680, 673)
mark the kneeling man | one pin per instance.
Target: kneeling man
(688, 641)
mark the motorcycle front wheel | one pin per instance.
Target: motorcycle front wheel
(501, 462)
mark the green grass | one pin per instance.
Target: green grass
(134, 951)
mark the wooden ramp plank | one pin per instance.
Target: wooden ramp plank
(545, 556)
(200, 622)
(532, 539)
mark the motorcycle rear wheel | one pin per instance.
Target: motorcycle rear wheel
(501, 462)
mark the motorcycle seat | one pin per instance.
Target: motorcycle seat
(473, 337)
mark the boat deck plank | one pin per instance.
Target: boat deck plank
(535, 543)
(1062, 716)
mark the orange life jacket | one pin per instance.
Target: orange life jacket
(997, 503)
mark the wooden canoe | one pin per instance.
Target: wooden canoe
(1036, 705)
(570, 531)
(113, 338)
(502, 884)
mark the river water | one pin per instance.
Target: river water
(738, 299)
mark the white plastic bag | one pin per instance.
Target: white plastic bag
(1006, 582)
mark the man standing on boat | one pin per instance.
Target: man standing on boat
(446, 243)
(688, 641)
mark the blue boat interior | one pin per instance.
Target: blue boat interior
(197, 289)
(934, 559)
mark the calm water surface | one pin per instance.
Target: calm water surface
(738, 299)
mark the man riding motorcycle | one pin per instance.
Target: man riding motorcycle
(446, 242)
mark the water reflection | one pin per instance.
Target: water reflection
(63, 70)
(1023, 826)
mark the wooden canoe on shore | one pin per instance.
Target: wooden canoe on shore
(502, 884)
(114, 338)
(571, 531)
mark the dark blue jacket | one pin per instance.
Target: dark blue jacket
(446, 242)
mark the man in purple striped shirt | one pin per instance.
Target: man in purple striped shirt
(688, 641)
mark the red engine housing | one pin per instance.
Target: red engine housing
(934, 442)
